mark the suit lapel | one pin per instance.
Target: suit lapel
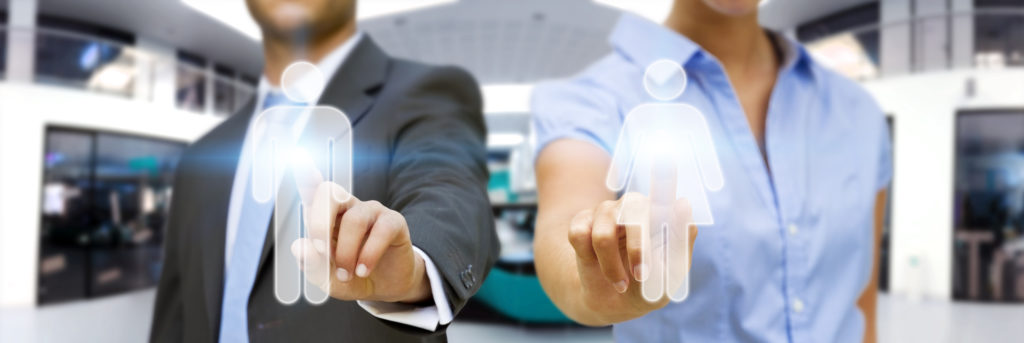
(351, 90)
(219, 154)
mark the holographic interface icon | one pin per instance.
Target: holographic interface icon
(665, 152)
(286, 138)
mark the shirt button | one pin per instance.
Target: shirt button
(468, 279)
(793, 230)
(798, 306)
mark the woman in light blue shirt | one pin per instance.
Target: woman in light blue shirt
(805, 156)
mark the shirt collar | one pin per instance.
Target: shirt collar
(794, 55)
(642, 42)
(328, 66)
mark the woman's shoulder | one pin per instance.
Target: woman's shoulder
(586, 106)
(846, 100)
(599, 84)
(843, 90)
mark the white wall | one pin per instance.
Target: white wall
(924, 107)
(931, 35)
(21, 42)
(895, 38)
(962, 32)
(25, 111)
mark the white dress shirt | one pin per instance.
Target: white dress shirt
(427, 317)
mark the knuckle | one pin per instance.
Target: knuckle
(583, 218)
(579, 236)
(358, 216)
(579, 227)
(394, 219)
(390, 228)
(604, 240)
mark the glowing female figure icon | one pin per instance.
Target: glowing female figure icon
(665, 152)
(297, 140)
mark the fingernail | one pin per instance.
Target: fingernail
(320, 245)
(620, 286)
(640, 272)
(361, 270)
(296, 250)
(342, 275)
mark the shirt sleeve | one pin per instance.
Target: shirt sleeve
(576, 110)
(885, 165)
(423, 317)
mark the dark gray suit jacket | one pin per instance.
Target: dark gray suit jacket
(418, 148)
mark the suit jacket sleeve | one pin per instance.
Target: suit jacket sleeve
(168, 312)
(438, 179)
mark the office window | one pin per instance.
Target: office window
(988, 208)
(245, 90)
(190, 94)
(861, 16)
(81, 55)
(998, 37)
(105, 204)
(223, 91)
(851, 32)
(66, 216)
(885, 251)
(3, 45)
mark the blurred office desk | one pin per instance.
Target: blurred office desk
(126, 318)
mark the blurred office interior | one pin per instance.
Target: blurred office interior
(98, 99)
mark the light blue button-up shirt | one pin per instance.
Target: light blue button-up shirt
(791, 248)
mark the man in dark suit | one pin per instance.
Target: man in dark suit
(410, 246)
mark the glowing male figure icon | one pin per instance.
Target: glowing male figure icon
(300, 140)
(664, 153)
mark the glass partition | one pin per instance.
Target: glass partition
(82, 61)
(66, 219)
(988, 216)
(245, 92)
(223, 91)
(982, 38)
(190, 89)
(999, 40)
(79, 61)
(105, 200)
(3, 51)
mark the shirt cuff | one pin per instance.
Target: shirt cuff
(423, 317)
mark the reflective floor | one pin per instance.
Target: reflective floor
(125, 318)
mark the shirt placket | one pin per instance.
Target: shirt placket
(735, 123)
(785, 146)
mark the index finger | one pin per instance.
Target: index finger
(326, 209)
